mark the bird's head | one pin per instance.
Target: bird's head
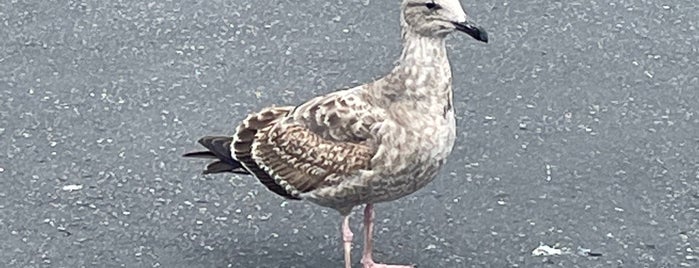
(439, 18)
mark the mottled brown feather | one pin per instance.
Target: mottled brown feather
(244, 138)
(301, 160)
(297, 150)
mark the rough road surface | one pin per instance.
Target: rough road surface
(578, 128)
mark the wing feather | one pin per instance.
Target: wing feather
(244, 138)
(296, 150)
(303, 159)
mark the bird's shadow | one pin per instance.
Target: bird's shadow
(252, 253)
(285, 253)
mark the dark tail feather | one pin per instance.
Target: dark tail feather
(201, 154)
(220, 149)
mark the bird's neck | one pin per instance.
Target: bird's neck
(422, 51)
(422, 75)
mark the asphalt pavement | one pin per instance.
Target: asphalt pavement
(578, 129)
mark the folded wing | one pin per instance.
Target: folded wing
(318, 144)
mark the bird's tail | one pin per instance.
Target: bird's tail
(219, 149)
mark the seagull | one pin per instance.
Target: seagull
(372, 143)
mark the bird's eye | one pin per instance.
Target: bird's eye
(432, 5)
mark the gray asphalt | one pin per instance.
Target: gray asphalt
(578, 128)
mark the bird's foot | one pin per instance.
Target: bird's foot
(372, 264)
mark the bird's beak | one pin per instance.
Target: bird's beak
(473, 30)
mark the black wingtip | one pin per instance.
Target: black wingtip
(219, 149)
(200, 154)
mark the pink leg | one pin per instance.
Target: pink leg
(347, 241)
(367, 260)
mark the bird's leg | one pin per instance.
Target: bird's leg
(367, 261)
(368, 233)
(347, 240)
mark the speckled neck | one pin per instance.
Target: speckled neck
(423, 75)
(422, 51)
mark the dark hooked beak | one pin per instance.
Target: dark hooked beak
(471, 29)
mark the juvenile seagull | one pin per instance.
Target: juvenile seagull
(373, 143)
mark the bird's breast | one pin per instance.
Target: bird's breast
(414, 140)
